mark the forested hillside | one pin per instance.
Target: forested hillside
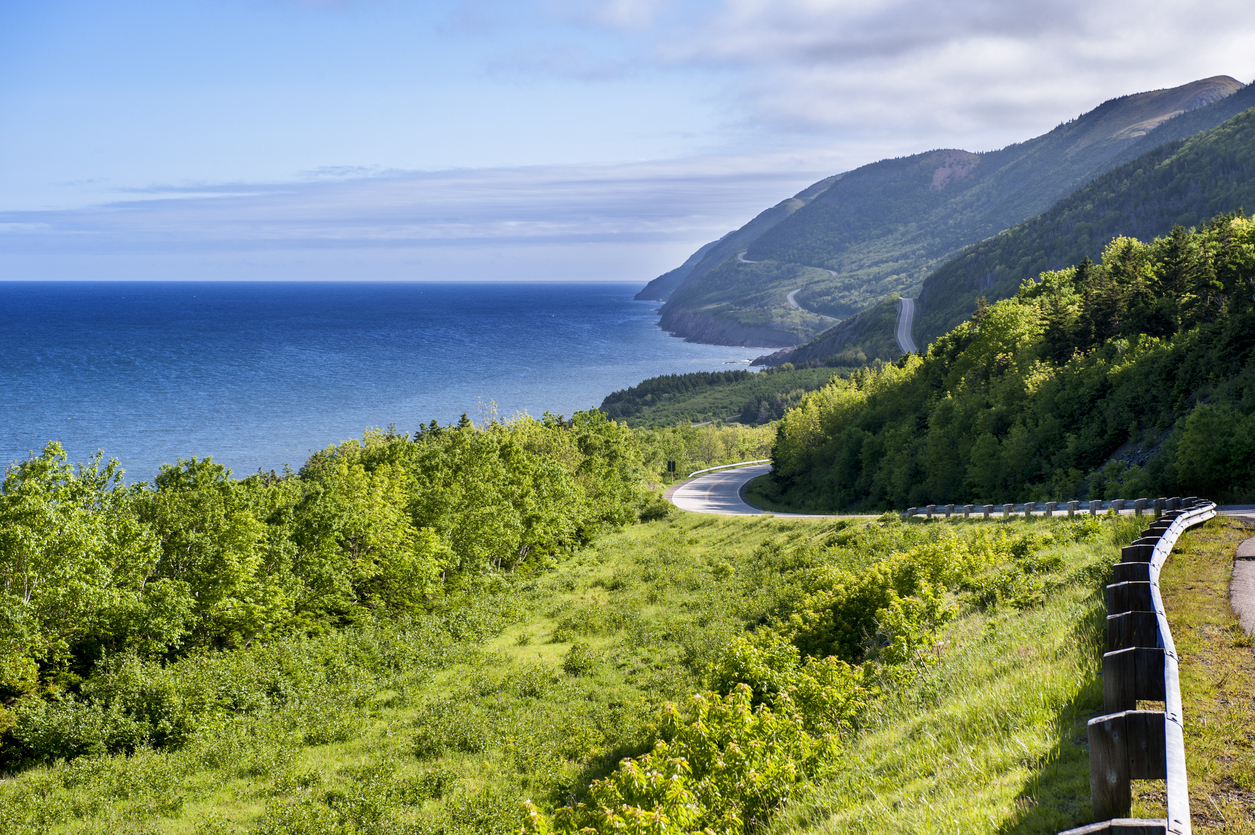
(743, 396)
(1130, 377)
(1182, 183)
(91, 569)
(882, 228)
(716, 252)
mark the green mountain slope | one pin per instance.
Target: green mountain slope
(865, 337)
(1130, 377)
(716, 252)
(882, 228)
(1182, 183)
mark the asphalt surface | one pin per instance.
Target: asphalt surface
(718, 492)
(1242, 586)
(906, 320)
(793, 302)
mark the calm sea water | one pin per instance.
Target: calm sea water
(258, 375)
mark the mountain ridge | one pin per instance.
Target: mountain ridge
(1186, 182)
(884, 227)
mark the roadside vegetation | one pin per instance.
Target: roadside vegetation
(536, 687)
(1131, 377)
(746, 397)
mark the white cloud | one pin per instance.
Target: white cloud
(976, 71)
(615, 14)
(639, 216)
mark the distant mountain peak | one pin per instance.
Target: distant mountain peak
(849, 241)
(955, 166)
(1126, 118)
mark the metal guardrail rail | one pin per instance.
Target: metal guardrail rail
(727, 466)
(1072, 508)
(1141, 664)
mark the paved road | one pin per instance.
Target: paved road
(793, 302)
(718, 492)
(906, 319)
(1242, 586)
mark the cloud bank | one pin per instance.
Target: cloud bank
(476, 215)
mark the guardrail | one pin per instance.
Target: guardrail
(1071, 508)
(1140, 664)
(726, 466)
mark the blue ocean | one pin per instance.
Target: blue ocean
(259, 375)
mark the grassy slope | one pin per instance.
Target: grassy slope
(649, 604)
(988, 739)
(991, 738)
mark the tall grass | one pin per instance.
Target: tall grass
(535, 688)
(990, 738)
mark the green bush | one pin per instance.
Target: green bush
(579, 659)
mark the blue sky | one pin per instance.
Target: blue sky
(479, 139)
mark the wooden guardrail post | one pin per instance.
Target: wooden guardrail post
(968, 509)
(1140, 664)
(949, 510)
(1123, 746)
(931, 509)
(1008, 510)
(989, 509)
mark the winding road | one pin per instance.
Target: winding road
(718, 493)
(906, 319)
(721, 493)
(906, 312)
(793, 302)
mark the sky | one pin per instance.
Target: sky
(521, 140)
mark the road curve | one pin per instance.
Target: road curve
(718, 492)
(906, 319)
(793, 302)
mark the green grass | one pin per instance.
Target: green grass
(991, 738)
(456, 743)
(550, 681)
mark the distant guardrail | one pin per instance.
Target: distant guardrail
(1071, 508)
(727, 466)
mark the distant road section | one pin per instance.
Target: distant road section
(906, 319)
(793, 302)
(718, 492)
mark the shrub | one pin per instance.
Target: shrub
(579, 659)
